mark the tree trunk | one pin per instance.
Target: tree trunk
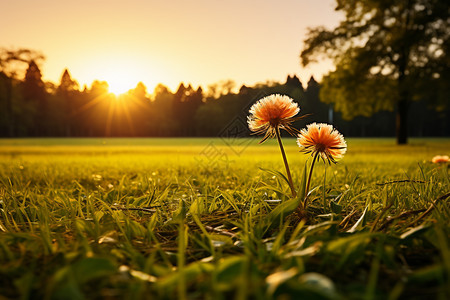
(403, 84)
(402, 122)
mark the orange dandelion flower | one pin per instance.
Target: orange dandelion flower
(440, 159)
(322, 139)
(272, 113)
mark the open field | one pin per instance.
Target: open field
(187, 219)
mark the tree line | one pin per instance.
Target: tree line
(34, 108)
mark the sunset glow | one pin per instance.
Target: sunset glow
(198, 42)
(122, 73)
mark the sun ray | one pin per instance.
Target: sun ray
(128, 118)
(109, 117)
(90, 103)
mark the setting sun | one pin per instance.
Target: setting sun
(121, 73)
(119, 84)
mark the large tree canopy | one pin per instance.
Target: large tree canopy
(387, 53)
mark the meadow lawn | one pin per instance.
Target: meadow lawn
(187, 218)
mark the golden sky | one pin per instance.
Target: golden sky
(170, 41)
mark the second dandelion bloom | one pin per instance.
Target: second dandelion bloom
(322, 140)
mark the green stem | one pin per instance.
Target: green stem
(309, 180)
(324, 201)
(288, 172)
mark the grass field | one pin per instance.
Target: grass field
(188, 219)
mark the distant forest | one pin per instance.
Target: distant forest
(33, 108)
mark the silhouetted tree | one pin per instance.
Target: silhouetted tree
(162, 118)
(193, 103)
(139, 108)
(67, 93)
(212, 91)
(35, 95)
(387, 54)
(227, 86)
(211, 118)
(12, 65)
(98, 112)
(293, 82)
(319, 111)
(186, 101)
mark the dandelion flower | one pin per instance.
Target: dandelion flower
(268, 116)
(272, 113)
(440, 159)
(322, 139)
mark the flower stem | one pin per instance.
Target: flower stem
(288, 172)
(324, 200)
(309, 179)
